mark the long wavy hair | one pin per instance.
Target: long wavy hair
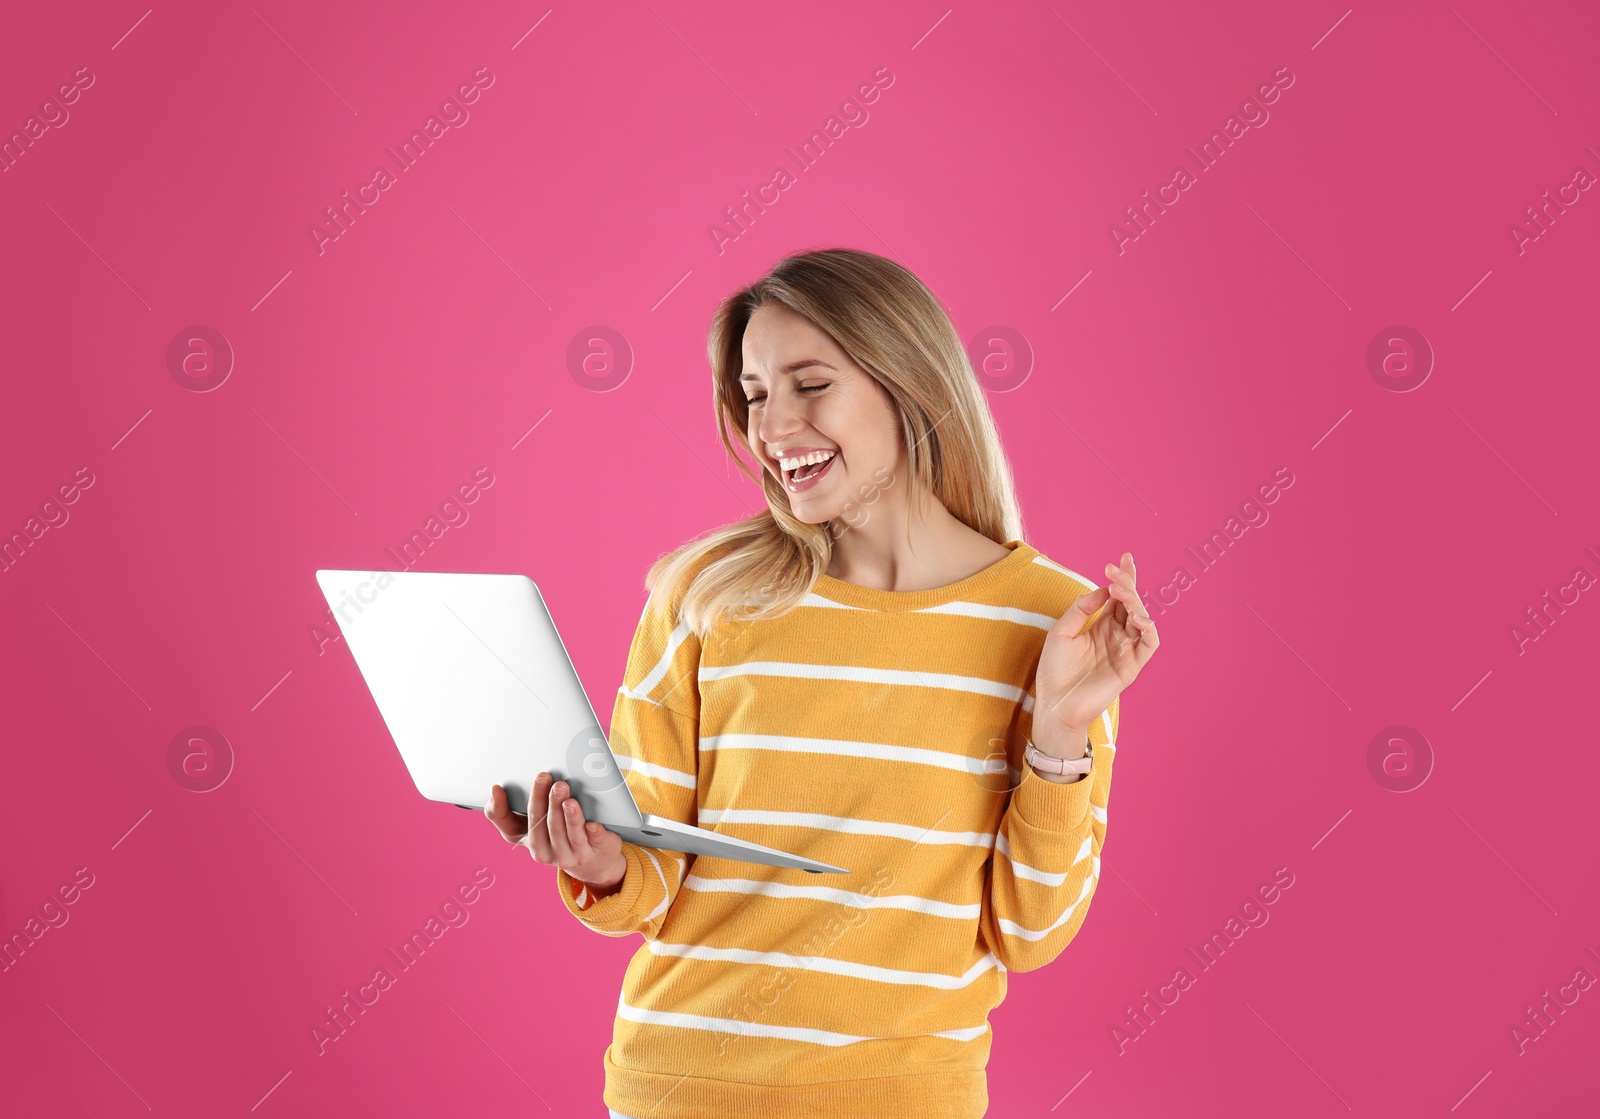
(890, 325)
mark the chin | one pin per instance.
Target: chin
(812, 516)
(808, 511)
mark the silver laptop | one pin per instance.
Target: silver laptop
(476, 688)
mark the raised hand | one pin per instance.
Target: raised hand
(1085, 665)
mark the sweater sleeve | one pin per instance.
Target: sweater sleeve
(1046, 860)
(655, 726)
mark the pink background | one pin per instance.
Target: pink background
(1227, 343)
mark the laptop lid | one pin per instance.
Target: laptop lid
(476, 687)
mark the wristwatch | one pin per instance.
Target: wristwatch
(1060, 766)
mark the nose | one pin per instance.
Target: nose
(777, 423)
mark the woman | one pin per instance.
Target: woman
(879, 673)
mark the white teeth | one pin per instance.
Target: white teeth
(796, 463)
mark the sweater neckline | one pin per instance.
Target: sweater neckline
(871, 598)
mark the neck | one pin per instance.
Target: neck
(882, 553)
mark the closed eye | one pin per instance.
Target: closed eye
(806, 388)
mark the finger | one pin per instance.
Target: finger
(512, 825)
(1119, 640)
(577, 833)
(1149, 640)
(1132, 598)
(1124, 572)
(1123, 602)
(1082, 609)
(539, 799)
(1128, 636)
(538, 839)
(556, 826)
(1135, 643)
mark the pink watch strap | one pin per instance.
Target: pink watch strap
(1061, 766)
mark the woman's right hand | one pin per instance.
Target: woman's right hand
(588, 852)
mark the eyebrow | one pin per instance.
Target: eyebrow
(792, 367)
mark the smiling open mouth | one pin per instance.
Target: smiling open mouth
(804, 477)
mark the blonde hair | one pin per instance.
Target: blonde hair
(891, 326)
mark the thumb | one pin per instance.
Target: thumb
(1084, 607)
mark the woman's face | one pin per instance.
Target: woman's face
(805, 395)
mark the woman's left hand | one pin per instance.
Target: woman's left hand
(1081, 670)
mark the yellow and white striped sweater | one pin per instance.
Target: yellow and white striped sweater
(877, 730)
